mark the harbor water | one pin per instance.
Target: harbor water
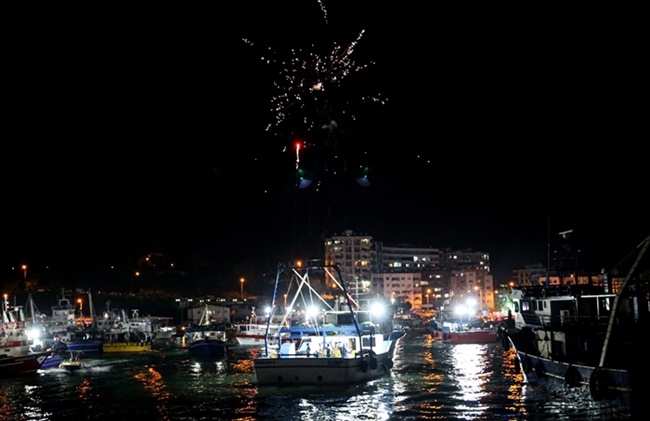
(429, 381)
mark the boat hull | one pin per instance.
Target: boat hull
(249, 340)
(70, 367)
(52, 361)
(608, 386)
(253, 334)
(24, 364)
(303, 371)
(115, 347)
(90, 345)
(208, 348)
(466, 337)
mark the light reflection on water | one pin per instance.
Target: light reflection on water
(429, 381)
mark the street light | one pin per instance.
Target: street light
(428, 293)
(81, 304)
(241, 281)
(24, 268)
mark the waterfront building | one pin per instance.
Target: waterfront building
(353, 253)
(399, 288)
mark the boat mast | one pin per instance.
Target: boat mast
(644, 246)
(349, 303)
(91, 308)
(548, 249)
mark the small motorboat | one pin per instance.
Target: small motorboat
(73, 363)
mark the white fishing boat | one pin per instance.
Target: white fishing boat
(253, 332)
(73, 363)
(16, 353)
(327, 337)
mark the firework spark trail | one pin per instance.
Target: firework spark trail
(322, 8)
(307, 86)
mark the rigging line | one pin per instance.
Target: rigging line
(629, 254)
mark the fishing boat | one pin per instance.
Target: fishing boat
(585, 340)
(73, 363)
(63, 317)
(253, 331)
(331, 339)
(126, 341)
(208, 343)
(207, 339)
(85, 340)
(457, 331)
(84, 336)
(16, 354)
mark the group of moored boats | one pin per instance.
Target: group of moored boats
(28, 344)
(581, 340)
(567, 338)
(585, 340)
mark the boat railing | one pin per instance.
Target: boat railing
(564, 290)
(563, 321)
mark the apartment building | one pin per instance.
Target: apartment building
(354, 255)
(419, 276)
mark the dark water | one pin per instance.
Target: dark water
(429, 381)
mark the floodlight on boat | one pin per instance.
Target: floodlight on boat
(33, 333)
(312, 312)
(377, 309)
(461, 310)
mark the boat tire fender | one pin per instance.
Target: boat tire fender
(372, 360)
(525, 364)
(572, 377)
(373, 363)
(599, 383)
(540, 370)
(364, 365)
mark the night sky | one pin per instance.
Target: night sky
(174, 131)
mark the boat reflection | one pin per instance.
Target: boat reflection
(470, 372)
(207, 367)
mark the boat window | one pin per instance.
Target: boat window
(525, 306)
(369, 342)
(605, 304)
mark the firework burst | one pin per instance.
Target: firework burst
(314, 102)
(309, 89)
